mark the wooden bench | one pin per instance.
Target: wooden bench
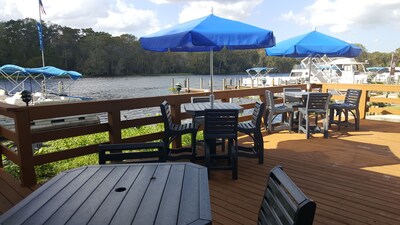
(284, 202)
(132, 152)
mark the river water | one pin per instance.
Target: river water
(127, 87)
(138, 86)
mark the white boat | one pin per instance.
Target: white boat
(18, 77)
(382, 75)
(261, 76)
(322, 70)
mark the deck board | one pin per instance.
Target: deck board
(354, 177)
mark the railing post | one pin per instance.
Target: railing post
(363, 102)
(24, 145)
(114, 119)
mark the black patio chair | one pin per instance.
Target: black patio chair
(221, 124)
(294, 103)
(350, 105)
(291, 101)
(132, 152)
(173, 131)
(316, 105)
(253, 129)
(284, 202)
(273, 110)
(199, 99)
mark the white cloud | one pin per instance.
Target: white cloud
(112, 16)
(342, 15)
(124, 18)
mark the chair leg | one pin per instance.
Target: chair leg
(331, 117)
(290, 121)
(300, 122)
(270, 118)
(357, 120)
(326, 125)
(193, 147)
(339, 123)
(234, 159)
(207, 158)
(307, 126)
(259, 145)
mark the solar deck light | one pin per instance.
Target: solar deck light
(178, 87)
(26, 96)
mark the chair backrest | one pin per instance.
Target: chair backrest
(269, 99)
(288, 99)
(120, 153)
(200, 99)
(220, 123)
(284, 202)
(258, 112)
(166, 114)
(317, 102)
(352, 97)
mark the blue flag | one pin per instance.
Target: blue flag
(39, 27)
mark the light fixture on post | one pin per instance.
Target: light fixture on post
(26, 96)
(178, 87)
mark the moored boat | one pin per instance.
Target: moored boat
(18, 77)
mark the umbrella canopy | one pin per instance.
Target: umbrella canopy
(210, 33)
(206, 33)
(312, 44)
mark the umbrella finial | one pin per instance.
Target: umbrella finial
(212, 10)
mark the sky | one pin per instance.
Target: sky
(373, 23)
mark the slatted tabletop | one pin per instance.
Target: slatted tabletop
(197, 109)
(157, 193)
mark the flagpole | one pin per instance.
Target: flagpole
(40, 22)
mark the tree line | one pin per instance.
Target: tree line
(101, 54)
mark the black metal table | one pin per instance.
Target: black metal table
(198, 109)
(157, 193)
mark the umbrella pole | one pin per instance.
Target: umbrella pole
(309, 74)
(211, 77)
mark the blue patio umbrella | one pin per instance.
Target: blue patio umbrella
(313, 44)
(208, 34)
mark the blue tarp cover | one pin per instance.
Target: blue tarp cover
(47, 71)
(313, 44)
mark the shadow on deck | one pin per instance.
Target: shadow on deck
(354, 176)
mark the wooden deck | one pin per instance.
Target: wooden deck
(354, 177)
(10, 191)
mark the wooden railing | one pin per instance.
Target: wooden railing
(23, 137)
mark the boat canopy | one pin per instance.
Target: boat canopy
(47, 71)
(256, 71)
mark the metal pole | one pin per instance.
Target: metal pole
(211, 75)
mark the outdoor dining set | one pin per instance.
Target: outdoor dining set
(300, 111)
(156, 191)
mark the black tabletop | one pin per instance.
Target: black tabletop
(158, 193)
(197, 109)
